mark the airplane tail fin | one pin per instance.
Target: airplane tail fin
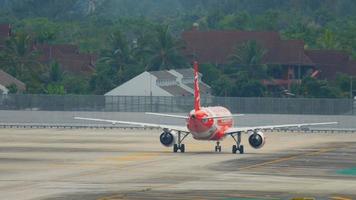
(196, 87)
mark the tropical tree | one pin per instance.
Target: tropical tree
(248, 57)
(328, 40)
(55, 74)
(312, 87)
(118, 56)
(21, 60)
(165, 50)
(42, 29)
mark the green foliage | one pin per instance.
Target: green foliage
(56, 89)
(20, 60)
(343, 82)
(210, 73)
(53, 9)
(328, 41)
(41, 29)
(246, 69)
(55, 73)
(75, 84)
(222, 86)
(247, 86)
(165, 50)
(131, 36)
(12, 88)
(243, 76)
(311, 87)
(103, 80)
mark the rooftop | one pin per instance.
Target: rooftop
(216, 46)
(163, 75)
(5, 30)
(176, 90)
(68, 56)
(6, 80)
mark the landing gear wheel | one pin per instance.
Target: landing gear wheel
(175, 148)
(237, 147)
(182, 148)
(217, 147)
(179, 145)
(241, 149)
(234, 148)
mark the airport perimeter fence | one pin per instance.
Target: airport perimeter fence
(252, 105)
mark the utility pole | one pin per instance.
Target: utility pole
(351, 89)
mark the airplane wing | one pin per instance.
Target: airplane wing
(139, 124)
(245, 129)
(167, 115)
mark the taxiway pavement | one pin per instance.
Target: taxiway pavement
(56, 164)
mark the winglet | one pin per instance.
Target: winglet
(196, 87)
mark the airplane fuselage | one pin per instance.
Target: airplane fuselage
(205, 124)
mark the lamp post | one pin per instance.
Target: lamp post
(351, 87)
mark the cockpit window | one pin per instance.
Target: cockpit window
(204, 120)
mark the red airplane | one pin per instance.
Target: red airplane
(207, 123)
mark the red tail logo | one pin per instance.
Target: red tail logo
(196, 87)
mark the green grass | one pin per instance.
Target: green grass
(349, 171)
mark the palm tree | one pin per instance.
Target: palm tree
(328, 41)
(165, 50)
(248, 57)
(119, 55)
(21, 58)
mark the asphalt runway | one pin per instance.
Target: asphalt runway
(58, 164)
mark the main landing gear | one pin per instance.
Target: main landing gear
(218, 147)
(179, 145)
(238, 146)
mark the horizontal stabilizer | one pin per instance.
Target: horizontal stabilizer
(227, 116)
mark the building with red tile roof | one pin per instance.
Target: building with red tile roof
(5, 33)
(215, 47)
(69, 58)
(7, 80)
(67, 55)
(331, 62)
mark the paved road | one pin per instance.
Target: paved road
(115, 164)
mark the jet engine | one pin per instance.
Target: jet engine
(167, 138)
(256, 139)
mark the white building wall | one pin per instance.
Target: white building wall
(3, 89)
(141, 85)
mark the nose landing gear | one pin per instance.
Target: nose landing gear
(217, 147)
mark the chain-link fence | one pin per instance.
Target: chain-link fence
(175, 104)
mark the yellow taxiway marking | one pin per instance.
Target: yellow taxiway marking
(247, 196)
(289, 158)
(340, 198)
(113, 197)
